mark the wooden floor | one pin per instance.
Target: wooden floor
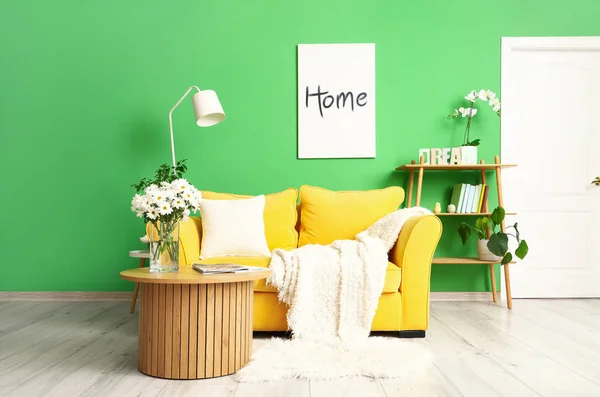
(541, 348)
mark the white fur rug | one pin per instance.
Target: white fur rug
(376, 357)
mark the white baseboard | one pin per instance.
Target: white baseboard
(462, 296)
(66, 296)
(126, 296)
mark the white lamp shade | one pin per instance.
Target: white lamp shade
(207, 108)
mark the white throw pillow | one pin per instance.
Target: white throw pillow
(233, 228)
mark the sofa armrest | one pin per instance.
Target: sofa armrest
(413, 252)
(190, 237)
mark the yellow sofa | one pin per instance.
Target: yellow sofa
(320, 218)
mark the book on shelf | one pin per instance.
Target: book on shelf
(484, 198)
(458, 196)
(476, 196)
(464, 197)
(461, 196)
(218, 268)
(480, 199)
(472, 199)
(455, 198)
(469, 202)
(469, 199)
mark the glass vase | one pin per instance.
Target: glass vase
(164, 247)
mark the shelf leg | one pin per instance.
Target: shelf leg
(484, 208)
(411, 182)
(502, 228)
(507, 286)
(493, 280)
(420, 181)
(483, 181)
(499, 186)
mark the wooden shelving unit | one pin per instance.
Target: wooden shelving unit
(471, 214)
(460, 261)
(460, 167)
(420, 168)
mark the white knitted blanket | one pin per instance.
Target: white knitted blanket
(333, 290)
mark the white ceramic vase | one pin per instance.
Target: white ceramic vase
(484, 253)
(468, 155)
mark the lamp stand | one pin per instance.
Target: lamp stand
(171, 125)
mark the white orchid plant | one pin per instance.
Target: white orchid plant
(165, 201)
(483, 95)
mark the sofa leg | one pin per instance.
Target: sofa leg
(411, 334)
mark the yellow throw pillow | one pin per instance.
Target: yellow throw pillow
(280, 216)
(327, 216)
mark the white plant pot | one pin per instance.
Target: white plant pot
(468, 155)
(484, 253)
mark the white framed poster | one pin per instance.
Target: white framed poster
(336, 101)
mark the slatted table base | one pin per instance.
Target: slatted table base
(195, 331)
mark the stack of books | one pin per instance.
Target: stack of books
(468, 198)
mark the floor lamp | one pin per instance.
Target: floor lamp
(208, 111)
(207, 108)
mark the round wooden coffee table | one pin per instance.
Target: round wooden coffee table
(192, 325)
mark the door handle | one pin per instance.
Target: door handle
(596, 181)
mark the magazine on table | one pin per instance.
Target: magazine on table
(218, 268)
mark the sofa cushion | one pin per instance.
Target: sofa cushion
(233, 228)
(280, 216)
(328, 215)
(393, 274)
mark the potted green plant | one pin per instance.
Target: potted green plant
(468, 149)
(496, 247)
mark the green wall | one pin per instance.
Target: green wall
(85, 90)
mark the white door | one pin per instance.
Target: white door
(551, 128)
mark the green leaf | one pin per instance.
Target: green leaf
(464, 231)
(490, 224)
(485, 223)
(507, 258)
(517, 235)
(522, 250)
(498, 215)
(498, 244)
(478, 225)
(481, 225)
(474, 142)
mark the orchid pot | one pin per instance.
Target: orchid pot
(468, 155)
(468, 149)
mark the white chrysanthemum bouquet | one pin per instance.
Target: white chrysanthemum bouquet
(164, 202)
(168, 201)
(470, 112)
